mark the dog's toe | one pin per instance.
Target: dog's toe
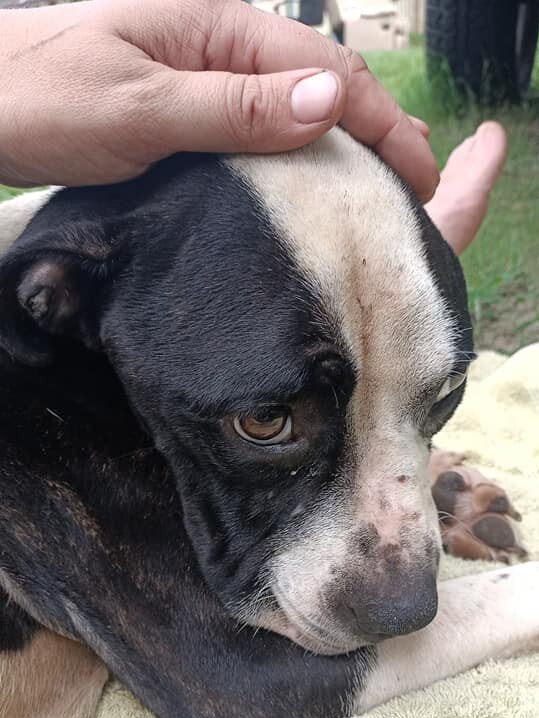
(476, 515)
(497, 532)
(459, 541)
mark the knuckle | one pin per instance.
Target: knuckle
(352, 63)
(250, 109)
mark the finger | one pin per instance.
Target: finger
(374, 117)
(235, 37)
(225, 112)
(267, 43)
(420, 125)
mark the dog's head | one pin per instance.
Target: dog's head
(291, 330)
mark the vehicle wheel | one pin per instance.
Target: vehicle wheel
(312, 12)
(488, 46)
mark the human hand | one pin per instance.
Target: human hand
(94, 92)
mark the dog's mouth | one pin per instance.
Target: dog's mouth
(289, 621)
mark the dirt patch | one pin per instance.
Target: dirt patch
(510, 323)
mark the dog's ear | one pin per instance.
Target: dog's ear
(53, 288)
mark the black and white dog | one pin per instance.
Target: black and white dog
(219, 383)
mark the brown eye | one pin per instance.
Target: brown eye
(269, 426)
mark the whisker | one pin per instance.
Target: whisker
(56, 416)
(458, 521)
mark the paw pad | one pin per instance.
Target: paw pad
(476, 516)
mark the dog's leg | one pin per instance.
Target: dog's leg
(51, 677)
(487, 615)
(42, 674)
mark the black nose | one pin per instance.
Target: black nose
(392, 605)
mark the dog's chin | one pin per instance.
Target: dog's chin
(290, 622)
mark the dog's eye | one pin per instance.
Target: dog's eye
(266, 426)
(449, 386)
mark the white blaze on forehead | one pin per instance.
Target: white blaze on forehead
(351, 226)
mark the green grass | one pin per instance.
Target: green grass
(502, 267)
(7, 192)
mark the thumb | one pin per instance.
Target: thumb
(225, 112)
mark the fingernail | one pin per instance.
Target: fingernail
(313, 99)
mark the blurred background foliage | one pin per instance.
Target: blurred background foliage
(502, 265)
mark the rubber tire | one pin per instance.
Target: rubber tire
(476, 40)
(312, 12)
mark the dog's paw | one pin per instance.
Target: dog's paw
(476, 516)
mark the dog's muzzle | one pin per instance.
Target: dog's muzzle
(360, 612)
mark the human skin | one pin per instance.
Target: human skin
(94, 92)
(461, 201)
